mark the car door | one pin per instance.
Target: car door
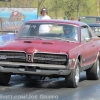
(89, 50)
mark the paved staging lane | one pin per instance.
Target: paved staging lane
(23, 88)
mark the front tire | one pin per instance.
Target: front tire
(72, 80)
(4, 78)
(93, 72)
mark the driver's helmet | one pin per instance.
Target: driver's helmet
(68, 29)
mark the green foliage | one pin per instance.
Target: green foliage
(58, 8)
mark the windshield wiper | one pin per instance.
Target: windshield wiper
(51, 38)
(64, 39)
(35, 37)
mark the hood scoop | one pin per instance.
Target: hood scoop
(47, 43)
(27, 41)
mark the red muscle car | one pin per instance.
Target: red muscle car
(44, 48)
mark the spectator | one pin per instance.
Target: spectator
(44, 14)
(44, 28)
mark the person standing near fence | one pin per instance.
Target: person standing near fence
(45, 28)
(44, 14)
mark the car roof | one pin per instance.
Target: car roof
(94, 24)
(90, 16)
(78, 23)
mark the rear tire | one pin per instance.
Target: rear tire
(72, 80)
(93, 72)
(4, 78)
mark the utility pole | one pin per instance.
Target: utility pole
(98, 7)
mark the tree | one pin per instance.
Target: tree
(81, 4)
(76, 7)
(56, 7)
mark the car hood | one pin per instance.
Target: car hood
(31, 46)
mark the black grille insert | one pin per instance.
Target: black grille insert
(11, 56)
(45, 58)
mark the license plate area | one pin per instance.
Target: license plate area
(28, 68)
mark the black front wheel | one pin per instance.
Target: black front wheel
(72, 80)
(93, 72)
(4, 78)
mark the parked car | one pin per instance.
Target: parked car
(89, 19)
(49, 53)
(95, 28)
(93, 22)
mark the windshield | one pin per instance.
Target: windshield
(49, 31)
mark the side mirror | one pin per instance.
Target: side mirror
(87, 39)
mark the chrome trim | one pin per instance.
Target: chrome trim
(37, 72)
(17, 64)
(52, 53)
(13, 51)
(3, 57)
(6, 56)
(27, 58)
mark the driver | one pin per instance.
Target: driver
(69, 33)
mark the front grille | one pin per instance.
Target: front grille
(11, 56)
(45, 58)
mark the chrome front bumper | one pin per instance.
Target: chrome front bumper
(44, 69)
